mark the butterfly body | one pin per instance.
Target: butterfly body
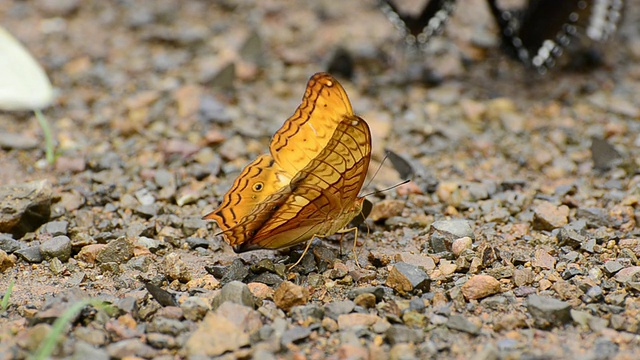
(308, 185)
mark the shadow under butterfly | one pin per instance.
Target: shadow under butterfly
(537, 34)
(409, 168)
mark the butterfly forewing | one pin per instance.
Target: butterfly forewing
(308, 130)
(321, 199)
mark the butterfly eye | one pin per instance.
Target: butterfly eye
(258, 186)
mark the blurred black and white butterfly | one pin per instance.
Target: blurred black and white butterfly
(536, 33)
(418, 29)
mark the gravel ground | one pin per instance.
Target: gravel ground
(516, 239)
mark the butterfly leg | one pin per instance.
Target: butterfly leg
(340, 242)
(306, 249)
(355, 242)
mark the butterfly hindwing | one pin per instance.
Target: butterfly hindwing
(322, 197)
(259, 179)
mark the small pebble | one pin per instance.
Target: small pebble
(480, 286)
(288, 295)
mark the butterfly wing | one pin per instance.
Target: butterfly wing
(261, 178)
(418, 29)
(309, 129)
(321, 199)
(538, 34)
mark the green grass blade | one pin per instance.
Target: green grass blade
(48, 136)
(48, 345)
(5, 299)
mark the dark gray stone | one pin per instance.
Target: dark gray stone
(166, 326)
(378, 291)
(417, 304)
(460, 323)
(237, 271)
(127, 304)
(264, 265)
(337, 308)
(324, 257)
(294, 335)
(58, 247)
(302, 312)
(611, 267)
(397, 334)
(11, 141)
(604, 349)
(548, 312)
(268, 279)
(570, 272)
(570, 237)
(442, 233)
(147, 211)
(24, 207)
(593, 295)
(117, 251)
(195, 242)
(191, 224)
(130, 347)
(416, 276)
(162, 341)
(84, 350)
(140, 263)
(30, 254)
(454, 228)
(307, 264)
(595, 217)
(8, 244)
(194, 308)
(164, 178)
(152, 244)
(55, 228)
(589, 245)
(236, 292)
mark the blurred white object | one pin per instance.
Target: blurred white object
(23, 83)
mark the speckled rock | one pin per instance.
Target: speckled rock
(480, 286)
(548, 312)
(117, 251)
(405, 278)
(58, 247)
(236, 292)
(288, 295)
(176, 269)
(547, 216)
(214, 336)
(24, 207)
(6, 261)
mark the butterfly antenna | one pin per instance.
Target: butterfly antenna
(386, 155)
(387, 189)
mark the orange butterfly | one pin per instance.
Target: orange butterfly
(309, 183)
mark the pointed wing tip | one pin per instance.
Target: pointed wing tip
(212, 216)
